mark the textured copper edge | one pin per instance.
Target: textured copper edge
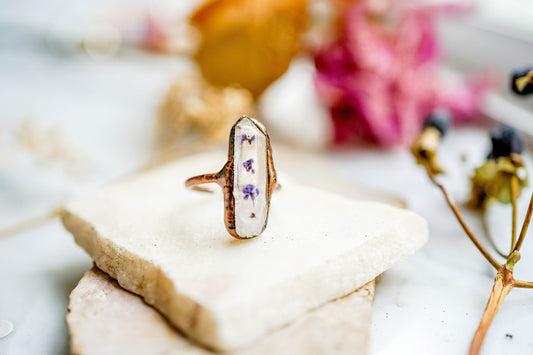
(225, 178)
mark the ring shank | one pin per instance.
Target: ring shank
(194, 181)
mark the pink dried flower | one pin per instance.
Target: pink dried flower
(380, 79)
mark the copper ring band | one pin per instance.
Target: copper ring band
(218, 178)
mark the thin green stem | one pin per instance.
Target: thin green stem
(459, 217)
(514, 188)
(525, 226)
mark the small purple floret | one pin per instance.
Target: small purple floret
(248, 165)
(245, 138)
(250, 191)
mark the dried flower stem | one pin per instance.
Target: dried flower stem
(459, 217)
(514, 188)
(503, 284)
(523, 284)
(525, 226)
(504, 281)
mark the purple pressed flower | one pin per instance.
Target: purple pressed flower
(248, 165)
(250, 191)
(252, 215)
(245, 138)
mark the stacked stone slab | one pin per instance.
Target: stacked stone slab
(168, 245)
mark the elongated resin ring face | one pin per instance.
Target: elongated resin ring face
(248, 179)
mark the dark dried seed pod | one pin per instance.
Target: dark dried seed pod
(439, 119)
(522, 81)
(505, 141)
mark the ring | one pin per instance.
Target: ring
(248, 179)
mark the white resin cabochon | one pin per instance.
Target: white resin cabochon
(250, 178)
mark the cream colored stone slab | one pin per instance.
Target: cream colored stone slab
(169, 245)
(105, 319)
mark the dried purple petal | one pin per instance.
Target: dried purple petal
(245, 138)
(250, 191)
(248, 165)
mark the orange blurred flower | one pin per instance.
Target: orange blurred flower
(248, 42)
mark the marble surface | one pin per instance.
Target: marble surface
(431, 303)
